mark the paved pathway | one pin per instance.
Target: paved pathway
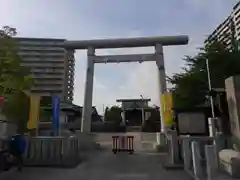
(105, 166)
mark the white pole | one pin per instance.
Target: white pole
(210, 88)
(211, 120)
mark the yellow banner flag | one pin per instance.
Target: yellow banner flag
(34, 112)
(166, 108)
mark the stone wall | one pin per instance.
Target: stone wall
(232, 85)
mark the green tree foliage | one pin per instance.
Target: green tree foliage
(113, 114)
(12, 75)
(152, 124)
(155, 115)
(16, 109)
(105, 114)
(191, 85)
(14, 80)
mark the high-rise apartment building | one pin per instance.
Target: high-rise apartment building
(229, 28)
(51, 66)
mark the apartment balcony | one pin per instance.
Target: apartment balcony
(70, 92)
(44, 64)
(41, 49)
(71, 65)
(70, 80)
(47, 93)
(70, 75)
(48, 73)
(47, 82)
(41, 43)
(39, 54)
(47, 70)
(47, 76)
(70, 87)
(43, 60)
(57, 88)
(71, 70)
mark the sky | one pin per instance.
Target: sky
(91, 19)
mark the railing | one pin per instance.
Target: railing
(205, 156)
(199, 154)
(54, 151)
(194, 156)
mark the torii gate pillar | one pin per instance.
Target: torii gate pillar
(88, 94)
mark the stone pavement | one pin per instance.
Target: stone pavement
(105, 165)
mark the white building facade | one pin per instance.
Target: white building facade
(50, 65)
(230, 27)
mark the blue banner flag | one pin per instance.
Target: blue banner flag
(55, 114)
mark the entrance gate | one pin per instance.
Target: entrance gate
(91, 45)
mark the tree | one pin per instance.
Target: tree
(113, 114)
(12, 75)
(16, 109)
(152, 124)
(14, 80)
(155, 115)
(191, 86)
(105, 113)
(95, 116)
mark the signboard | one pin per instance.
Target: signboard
(55, 114)
(192, 123)
(166, 108)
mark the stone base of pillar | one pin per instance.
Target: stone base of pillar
(161, 138)
(161, 148)
(86, 126)
(87, 141)
(161, 145)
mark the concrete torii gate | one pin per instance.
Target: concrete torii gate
(91, 45)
